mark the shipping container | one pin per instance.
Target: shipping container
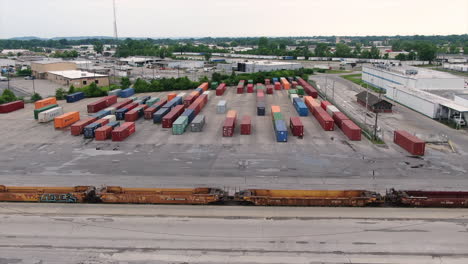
(138, 101)
(277, 116)
(123, 131)
(120, 113)
(77, 128)
(261, 108)
(331, 109)
(250, 82)
(309, 197)
(204, 86)
(180, 124)
(122, 103)
(148, 113)
(158, 116)
(309, 90)
(292, 97)
(296, 126)
(311, 103)
(294, 84)
(339, 117)
(199, 90)
(197, 123)
(324, 119)
(214, 85)
(50, 114)
(228, 127)
(351, 130)
(101, 104)
(45, 108)
(45, 102)
(275, 109)
(12, 106)
(240, 87)
(300, 106)
(269, 89)
(152, 101)
(324, 105)
(292, 91)
(199, 103)
(182, 95)
(112, 110)
(275, 79)
(300, 90)
(277, 86)
(190, 114)
(116, 194)
(77, 194)
(101, 114)
(286, 85)
(281, 131)
(134, 114)
(232, 113)
(208, 94)
(144, 99)
(418, 198)
(172, 116)
(66, 119)
(88, 131)
(246, 125)
(127, 92)
(221, 107)
(174, 102)
(250, 88)
(412, 144)
(159, 105)
(104, 132)
(259, 86)
(74, 97)
(267, 81)
(115, 92)
(220, 89)
(189, 100)
(171, 96)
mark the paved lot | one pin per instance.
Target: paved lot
(22, 87)
(37, 154)
(46, 233)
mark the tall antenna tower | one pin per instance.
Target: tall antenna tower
(116, 36)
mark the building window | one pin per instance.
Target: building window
(84, 82)
(96, 81)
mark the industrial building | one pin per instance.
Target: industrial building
(431, 93)
(77, 78)
(374, 103)
(40, 68)
(259, 66)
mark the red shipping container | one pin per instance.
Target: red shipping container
(228, 127)
(324, 104)
(296, 126)
(77, 128)
(240, 89)
(133, 114)
(323, 118)
(102, 121)
(250, 88)
(123, 131)
(172, 116)
(410, 143)
(198, 105)
(11, 106)
(311, 91)
(103, 133)
(277, 86)
(294, 84)
(159, 104)
(246, 125)
(102, 103)
(351, 130)
(267, 81)
(269, 89)
(148, 114)
(339, 117)
(122, 103)
(220, 89)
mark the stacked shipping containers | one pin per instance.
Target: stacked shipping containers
(279, 124)
(220, 89)
(309, 90)
(240, 86)
(229, 124)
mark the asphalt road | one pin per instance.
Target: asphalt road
(47, 233)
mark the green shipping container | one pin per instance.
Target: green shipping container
(133, 98)
(261, 87)
(278, 116)
(250, 81)
(300, 90)
(152, 101)
(179, 126)
(292, 91)
(37, 111)
(214, 85)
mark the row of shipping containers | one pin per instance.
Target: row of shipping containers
(279, 124)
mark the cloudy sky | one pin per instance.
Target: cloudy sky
(199, 18)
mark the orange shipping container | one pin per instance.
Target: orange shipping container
(45, 102)
(285, 83)
(231, 113)
(171, 96)
(195, 93)
(204, 86)
(275, 109)
(66, 119)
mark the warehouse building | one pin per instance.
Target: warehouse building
(40, 68)
(77, 78)
(374, 103)
(264, 66)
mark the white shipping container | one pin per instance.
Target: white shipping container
(111, 109)
(182, 95)
(332, 109)
(111, 118)
(208, 94)
(50, 114)
(294, 96)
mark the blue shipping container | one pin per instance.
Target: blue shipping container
(199, 90)
(281, 131)
(88, 131)
(275, 80)
(127, 92)
(174, 102)
(301, 107)
(120, 113)
(102, 114)
(113, 124)
(74, 97)
(158, 116)
(190, 113)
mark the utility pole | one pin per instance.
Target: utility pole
(376, 117)
(34, 89)
(8, 78)
(333, 91)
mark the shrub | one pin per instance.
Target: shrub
(36, 97)
(60, 94)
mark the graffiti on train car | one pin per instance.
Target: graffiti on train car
(58, 198)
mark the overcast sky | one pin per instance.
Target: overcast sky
(216, 18)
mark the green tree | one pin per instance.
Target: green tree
(401, 57)
(207, 56)
(426, 51)
(262, 42)
(465, 49)
(374, 53)
(8, 96)
(60, 94)
(125, 82)
(321, 50)
(71, 89)
(453, 49)
(98, 47)
(141, 86)
(385, 56)
(411, 56)
(342, 50)
(36, 97)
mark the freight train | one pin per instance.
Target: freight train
(258, 197)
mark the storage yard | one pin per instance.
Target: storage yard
(153, 154)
